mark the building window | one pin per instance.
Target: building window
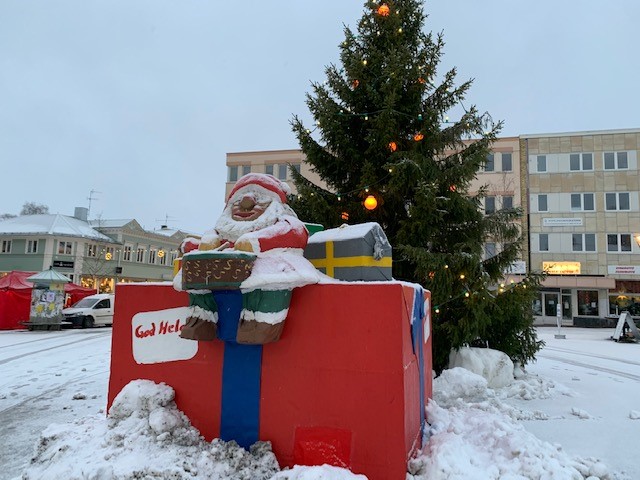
(32, 246)
(582, 202)
(162, 256)
(128, 251)
(587, 302)
(236, 171)
(152, 255)
(489, 205)
(232, 173)
(583, 242)
(489, 250)
(618, 242)
(6, 246)
(616, 201)
(92, 250)
(542, 163)
(507, 164)
(580, 161)
(64, 248)
(616, 161)
(109, 253)
(543, 242)
(140, 255)
(489, 163)
(282, 172)
(542, 203)
(507, 202)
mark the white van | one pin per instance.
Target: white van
(92, 311)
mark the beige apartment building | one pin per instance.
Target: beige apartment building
(273, 162)
(580, 194)
(584, 222)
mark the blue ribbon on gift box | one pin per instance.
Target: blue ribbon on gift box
(417, 337)
(241, 370)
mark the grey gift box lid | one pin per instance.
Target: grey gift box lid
(351, 252)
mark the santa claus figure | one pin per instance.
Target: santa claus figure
(256, 219)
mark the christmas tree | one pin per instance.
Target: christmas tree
(384, 146)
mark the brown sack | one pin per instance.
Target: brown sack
(251, 332)
(199, 329)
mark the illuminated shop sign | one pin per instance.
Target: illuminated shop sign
(561, 268)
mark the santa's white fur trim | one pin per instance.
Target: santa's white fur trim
(271, 318)
(202, 314)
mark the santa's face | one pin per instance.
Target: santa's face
(249, 207)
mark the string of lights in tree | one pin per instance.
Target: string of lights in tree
(467, 293)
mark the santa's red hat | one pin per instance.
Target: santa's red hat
(268, 183)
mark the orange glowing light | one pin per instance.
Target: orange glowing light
(393, 146)
(383, 10)
(344, 216)
(418, 136)
(370, 203)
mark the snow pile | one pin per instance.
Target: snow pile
(144, 436)
(493, 365)
(474, 434)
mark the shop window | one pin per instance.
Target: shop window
(537, 305)
(625, 302)
(588, 302)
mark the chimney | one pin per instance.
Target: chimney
(81, 213)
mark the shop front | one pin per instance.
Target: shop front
(583, 299)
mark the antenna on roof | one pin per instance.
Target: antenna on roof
(91, 198)
(165, 225)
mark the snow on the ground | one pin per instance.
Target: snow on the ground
(573, 414)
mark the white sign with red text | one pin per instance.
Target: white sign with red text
(156, 336)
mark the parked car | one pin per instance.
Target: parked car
(91, 311)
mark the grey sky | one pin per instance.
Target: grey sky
(141, 100)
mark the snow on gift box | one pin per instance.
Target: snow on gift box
(348, 352)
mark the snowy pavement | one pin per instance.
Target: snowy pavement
(575, 410)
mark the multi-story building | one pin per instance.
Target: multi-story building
(274, 162)
(95, 254)
(584, 221)
(580, 195)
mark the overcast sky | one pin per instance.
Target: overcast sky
(139, 101)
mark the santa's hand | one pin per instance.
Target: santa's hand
(210, 245)
(243, 245)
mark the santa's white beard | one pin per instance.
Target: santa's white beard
(230, 229)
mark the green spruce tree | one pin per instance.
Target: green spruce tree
(382, 129)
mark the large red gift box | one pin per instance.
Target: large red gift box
(346, 384)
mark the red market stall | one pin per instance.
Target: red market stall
(15, 298)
